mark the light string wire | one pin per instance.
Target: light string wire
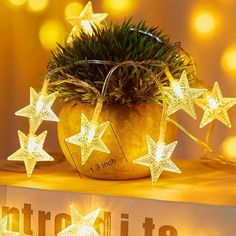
(76, 81)
(205, 145)
(98, 108)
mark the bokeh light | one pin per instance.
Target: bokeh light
(118, 7)
(73, 9)
(50, 33)
(37, 5)
(228, 147)
(17, 2)
(228, 59)
(204, 22)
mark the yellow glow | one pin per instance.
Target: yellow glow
(50, 33)
(177, 89)
(30, 151)
(73, 9)
(160, 151)
(90, 138)
(87, 27)
(204, 22)
(39, 105)
(3, 227)
(180, 96)
(228, 60)
(158, 158)
(213, 103)
(32, 145)
(81, 225)
(37, 5)
(42, 103)
(228, 147)
(91, 133)
(117, 7)
(17, 2)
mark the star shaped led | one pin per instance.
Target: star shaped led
(3, 228)
(215, 106)
(86, 21)
(89, 138)
(158, 158)
(39, 109)
(179, 95)
(81, 225)
(31, 151)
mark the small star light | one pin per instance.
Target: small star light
(31, 151)
(3, 228)
(81, 225)
(158, 158)
(39, 109)
(86, 21)
(215, 106)
(180, 96)
(89, 138)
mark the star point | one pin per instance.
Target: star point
(39, 109)
(180, 95)
(158, 158)
(31, 151)
(3, 228)
(89, 138)
(81, 225)
(215, 107)
(86, 21)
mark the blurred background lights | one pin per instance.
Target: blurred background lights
(50, 33)
(73, 9)
(228, 59)
(117, 7)
(204, 22)
(17, 2)
(37, 5)
(228, 147)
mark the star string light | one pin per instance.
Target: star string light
(179, 95)
(90, 136)
(3, 228)
(81, 225)
(31, 151)
(159, 153)
(158, 158)
(86, 21)
(215, 107)
(39, 109)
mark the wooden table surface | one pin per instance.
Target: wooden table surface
(197, 184)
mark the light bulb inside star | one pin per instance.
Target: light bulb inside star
(89, 138)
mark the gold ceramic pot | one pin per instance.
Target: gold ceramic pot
(125, 137)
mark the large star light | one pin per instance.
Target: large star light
(158, 158)
(86, 21)
(89, 138)
(3, 228)
(31, 151)
(39, 109)
(179, 95)
(215, 107)
(81, 225)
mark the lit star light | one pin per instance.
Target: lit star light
(89, 138)
(86, 21)
(81, 225)
(31, 151)
(158, 158)
(3, 228)
(180, 96)
(39, 109)
(215, 106)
